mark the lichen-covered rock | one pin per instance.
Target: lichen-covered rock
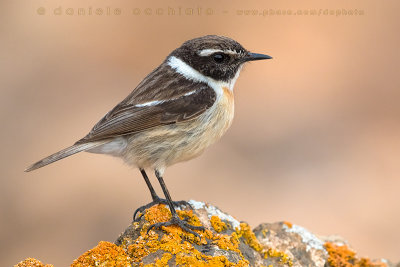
(225, 242)
(304, 248)
(31, 262)
(307, 249)
(228, 242)
(104, 254)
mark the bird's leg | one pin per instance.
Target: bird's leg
(156, 199)
(152, 191)
(175, 220)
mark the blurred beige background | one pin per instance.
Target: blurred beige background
(315, 140)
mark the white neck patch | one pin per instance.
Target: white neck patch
(191, 74)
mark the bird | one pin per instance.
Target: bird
(177, 111)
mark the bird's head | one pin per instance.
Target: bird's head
(216, 57)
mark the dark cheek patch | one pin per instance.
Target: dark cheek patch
(206, 66)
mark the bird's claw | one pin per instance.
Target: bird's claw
(175, 220)
(156, 202)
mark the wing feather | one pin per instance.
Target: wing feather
(127, 118)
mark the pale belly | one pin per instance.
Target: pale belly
(166, 145)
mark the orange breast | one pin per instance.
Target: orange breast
(228, 94)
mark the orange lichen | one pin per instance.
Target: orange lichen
(342, 256)
(188, 214)
(163, 262)
(217, 224)
(179, 247)
(216, 261)
(31, 262)
(179, 243)
(104, 254)
(156, 214)
(143, 246)
(288, 224)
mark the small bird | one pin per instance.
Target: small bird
(178, 110)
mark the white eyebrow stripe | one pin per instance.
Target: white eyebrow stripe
(207, 52)
(157, 102)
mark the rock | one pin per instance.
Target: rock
(307, 249)
(104, 254)
(228, 242)
(30, 262)
(225, 242)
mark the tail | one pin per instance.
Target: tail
(63, 154)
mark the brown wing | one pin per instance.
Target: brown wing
(127, 118)
(162, 83)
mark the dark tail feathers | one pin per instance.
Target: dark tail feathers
(63, 154)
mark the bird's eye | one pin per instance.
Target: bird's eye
(219, 57)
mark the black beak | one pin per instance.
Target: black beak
(255, 56)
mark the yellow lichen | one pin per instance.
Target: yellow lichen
(249, 237)
(104, 254)
(264, 232)
(342, 256)
(217, 224)
(226, 242)
(283, 257)
(193, 260)
(31, 262)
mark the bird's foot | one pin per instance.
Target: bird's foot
(156, 202)
(175, 220)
